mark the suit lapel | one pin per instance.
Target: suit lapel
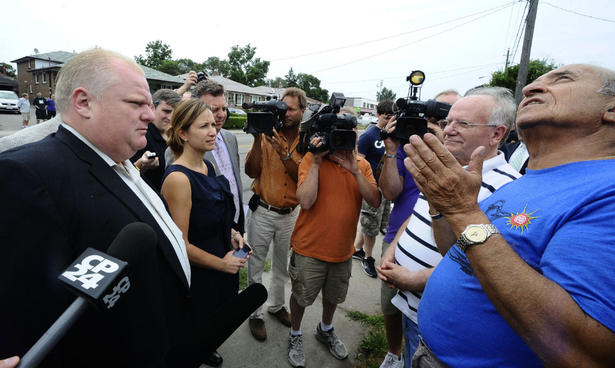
(109, 179)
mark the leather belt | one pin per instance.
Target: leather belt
(281, 211)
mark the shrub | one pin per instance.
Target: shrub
(236, 122)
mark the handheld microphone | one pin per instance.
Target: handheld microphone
(97, 278)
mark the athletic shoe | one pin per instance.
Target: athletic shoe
(360, 254)
(296, 356)
(368, 267)
(392, 361)
(336, 346)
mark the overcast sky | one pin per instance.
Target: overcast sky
(350, 46)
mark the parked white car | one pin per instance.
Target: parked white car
(366, 119)
(8, 101)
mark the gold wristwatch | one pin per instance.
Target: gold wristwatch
(475, 234)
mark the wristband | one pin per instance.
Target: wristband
(390, 155)
(286, 157)
(435, 216)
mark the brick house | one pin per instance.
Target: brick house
(38, 73)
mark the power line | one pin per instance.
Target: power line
(577, 13)
(430, 73)
(499, 7)
(407, 44)
(519, 32)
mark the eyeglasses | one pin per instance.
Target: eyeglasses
(461, 125)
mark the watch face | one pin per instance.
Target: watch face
(476, 234)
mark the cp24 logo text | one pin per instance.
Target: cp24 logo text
(99, 277)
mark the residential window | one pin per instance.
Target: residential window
(44, 77)
(29, 66)
(36, 78)
(30, 89)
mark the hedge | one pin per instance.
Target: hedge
(236, 122)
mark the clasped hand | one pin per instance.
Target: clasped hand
(448, 187)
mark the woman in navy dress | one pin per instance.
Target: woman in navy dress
(201, 204)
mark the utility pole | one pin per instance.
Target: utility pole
(507, 56)
(525, 52)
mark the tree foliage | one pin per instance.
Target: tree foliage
(246, 69)
(214, 65)
(156, 53)
(8, 70)
(290, 79)
(311, 85)
(277, 82)
(385, 94)
(508, 77)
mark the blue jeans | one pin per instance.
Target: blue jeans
(411, 337)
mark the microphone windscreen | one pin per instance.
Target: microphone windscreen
(134, 243)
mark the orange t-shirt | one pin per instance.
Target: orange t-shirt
(327, 230)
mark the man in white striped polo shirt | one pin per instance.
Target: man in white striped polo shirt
(482, 118)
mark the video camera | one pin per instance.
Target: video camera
(201, 76)
(335, 131)
(412, 114)
(270, 116)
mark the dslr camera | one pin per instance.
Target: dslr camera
(201, 76)
(336, 132)
(412, 114)
(270, 115)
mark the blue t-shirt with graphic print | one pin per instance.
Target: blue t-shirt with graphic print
(560, 222)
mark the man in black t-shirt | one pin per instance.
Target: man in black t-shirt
(152, 168)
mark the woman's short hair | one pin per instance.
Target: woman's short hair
(184, 114)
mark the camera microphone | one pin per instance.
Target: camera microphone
(97, 278)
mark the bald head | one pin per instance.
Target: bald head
(93, 70)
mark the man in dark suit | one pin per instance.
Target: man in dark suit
(225, 156)
(77, 189)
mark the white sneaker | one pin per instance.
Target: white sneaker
(392, 361)
(335, 345)
(296, 356)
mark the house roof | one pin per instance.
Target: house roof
(57, 56)
(7, 81)
(62, 57)
(231, 85)
(154, 74)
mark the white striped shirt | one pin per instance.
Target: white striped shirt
(416, 249)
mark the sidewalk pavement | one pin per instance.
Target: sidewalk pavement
(243, 350)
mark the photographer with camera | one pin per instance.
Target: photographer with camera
(273, 162)
(191, 79)
(331, 187)
(398, 186)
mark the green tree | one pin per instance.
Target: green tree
(311, 85)
(213, 65)
(508, 77)
(385, 94)
(156, 52)
(185, 65)
(246, 69)
(290, 79)
(8, 70)
(170, 67)
(277, 82)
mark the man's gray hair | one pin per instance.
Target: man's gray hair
(207, 87)
(608, 88)
(92, 70)
(504, 109)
